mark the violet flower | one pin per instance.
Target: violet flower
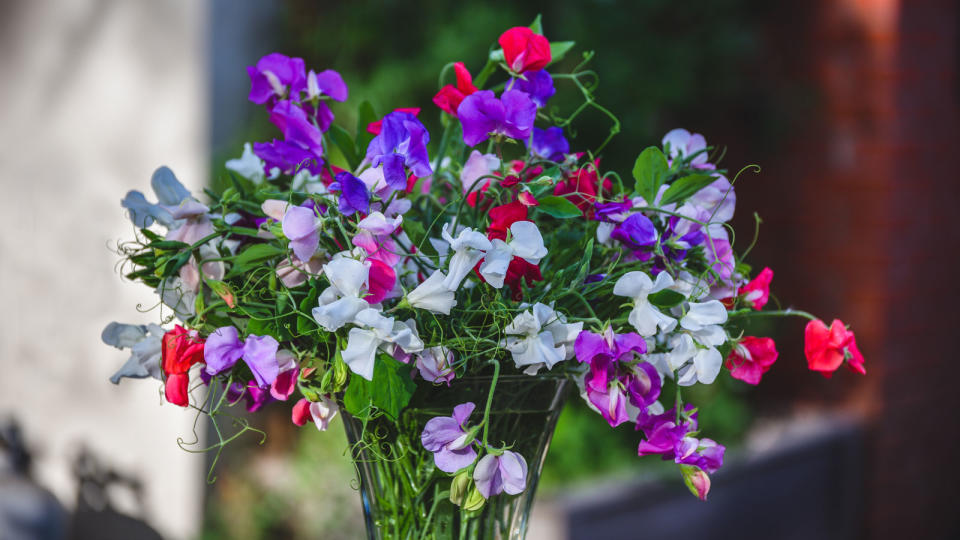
(637, 234)
(276, 76)
(482, 114)
(326, 83)
(223, 348)
(538, 84)
(549, 144)
(506, 473)
(612, 381)
(449, 440)
(354, 196)
(674, 442)
(282, 157)
(292, 121)
(402, 141)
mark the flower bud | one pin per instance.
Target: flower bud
(459, 487)
(697, 481)
(340, 371)
(474, 501)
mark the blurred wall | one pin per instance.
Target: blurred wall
(95, 95)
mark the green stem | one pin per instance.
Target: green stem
(486, 411)
(776, 313)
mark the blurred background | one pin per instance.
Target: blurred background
(849, 106)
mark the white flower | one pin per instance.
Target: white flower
(145, 344)
(645, 318)
(323, 412)
(434, 365)
(433, 295)
(178, 296)
(307, 182)
(540, 338)
(341, 302)
(477, 166)
(495, 263)
(377, 330)
(468, 247)
(703, 320)
(604, 230)
(248, 165)
(704, 368)
(526, 242)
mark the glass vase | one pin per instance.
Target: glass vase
(406, 497)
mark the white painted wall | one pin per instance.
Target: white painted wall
(93, 96)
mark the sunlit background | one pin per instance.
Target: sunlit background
(850, 107)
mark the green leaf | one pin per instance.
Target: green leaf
(537, 26)
(306, 325)
(584, 265)
(558, 207)
(665, 299)
(253, 255)
(650, 171)
(559, 49)
(152, 236)
(345, 143)
(269, 327)
(366, 115)
(168, 245)
(684, 187)
(390, 390)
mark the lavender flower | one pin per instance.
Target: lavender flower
(447, 437)
(224, 347)
(506, 473)
(482, 114)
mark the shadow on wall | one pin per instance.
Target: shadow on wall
(30, 512)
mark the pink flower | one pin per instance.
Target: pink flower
(182, 349)
(449, 97)
(757, 292)
(523, 50)
(751, 358)
(827, 348)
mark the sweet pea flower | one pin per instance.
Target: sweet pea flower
(449, 97)
(433, 295)
(717, 199)
(375, 331)
(506, 473)
(537, 84)
(476, 167)
(247, 165)
(434, 365)
(145, 347)
(170, 193)
(321, 412)
(637, 234)
(582, 187)
(182, 349)
(549, 144)
(540, 337)
(402, 142)
(300, 227)
(481, 114)
(680, 143)
(703, 368)
(296, 127)
(354, 196)
(503, 217)
(449, 439)
(326, 83)
(524, 50)
(468, 248)
(827, 348)
(750, 358)
(286, 382)
(276, 76)
(224, 348)
(178, 296)
(293, 272)
(283, 157)
(697, 480)
(757, 292)
(341, 301)
(645, 317)
(703, 320)
(612, 381)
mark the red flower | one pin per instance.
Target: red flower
(301, 412)
(450, 96)
(518, 271)
(581, 189)
(503, 216)
(751, 358)
(377, 126)
(827, 348)
(181, 350)
(757, 292)
(523, 50)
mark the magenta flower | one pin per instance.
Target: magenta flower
(296, 127)
(276, 76)
(481, 114)
(447, 437)
(326, 83)
(672, 441)
(224, 347)
(506, 473)
(402, 141)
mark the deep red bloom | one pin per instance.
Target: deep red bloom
(757, 292)
(582, 187)
(523, 50)
(450, 96)
(502, 217)
(826, 348)
(377, 126)
(751, 358)
(182, 349)
(520, 270)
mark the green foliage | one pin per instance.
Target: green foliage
(558, 207)
(390, 390)
(682, 188)
(650, 171)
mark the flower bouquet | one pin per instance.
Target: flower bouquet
(446, 298)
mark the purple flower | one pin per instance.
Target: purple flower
(613, 380)
(296, 127)
(354, 196)
(482, 114)
(665, 437)
(612, 212)
(286, 158)
(549, 143)
(321, 114)
(402, 141)
(498, 474)
(637, 233)
(300, 227)
(326, 83)
(276, 76)
(223, 348)
(434, 365)
(447, 438)
(538, 84)
(254, 396)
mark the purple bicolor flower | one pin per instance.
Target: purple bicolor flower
(549, 143)
(275, 77)
(449, 440)
(612, 212)
(354, 196)
(402, 141)
(254, 396)
(321, 114)
(223, 348)
(296, 127)
(537, 84)
(326, 83)
(300, 227)
(482, 114)
(673, 441)
(287, 158)
(637, 233)
(506, 473)
(613, 379)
